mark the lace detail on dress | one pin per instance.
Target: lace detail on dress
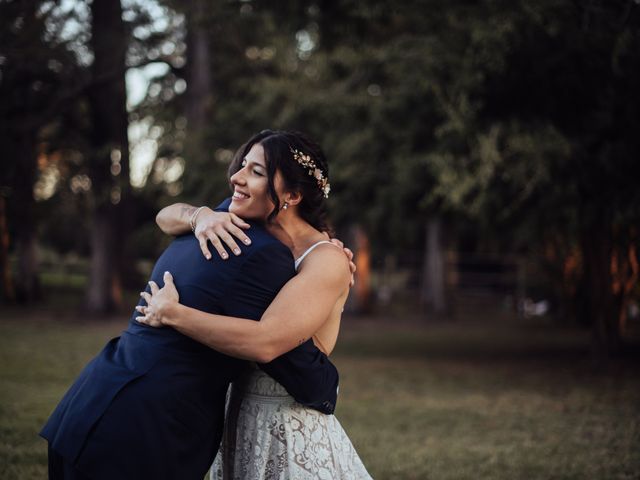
(268, 436)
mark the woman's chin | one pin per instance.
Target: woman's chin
(240, 210)
(235, 208)
(247, 211)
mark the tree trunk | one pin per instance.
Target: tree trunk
(109, 164)
(198, 72)
(625, 273)
(99, 296)
(597, 248)
(360, 302)
(27, 287)
(7, 293)
(433, 288)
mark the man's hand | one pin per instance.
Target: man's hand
(349, 254)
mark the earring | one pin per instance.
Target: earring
(285, 206)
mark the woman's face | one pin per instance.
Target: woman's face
(250, 188)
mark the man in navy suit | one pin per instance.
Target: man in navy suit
(151, 404)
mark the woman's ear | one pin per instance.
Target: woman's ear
(293, 198)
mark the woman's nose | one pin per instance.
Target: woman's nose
(238, 177)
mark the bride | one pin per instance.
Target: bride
(267, 434)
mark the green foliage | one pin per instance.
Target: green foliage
(516, 122)
(481, 110)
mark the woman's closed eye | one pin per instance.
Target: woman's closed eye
(256, 169)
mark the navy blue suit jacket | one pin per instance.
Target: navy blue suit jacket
(151, 404)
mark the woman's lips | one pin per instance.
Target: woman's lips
(240, 196)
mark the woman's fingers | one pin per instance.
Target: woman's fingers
(217, 239)
(151, 315)
(202, 240)
(239, 222)
(146, 296)
(238, 233)
(231, 243)
(219, 227)
(225, 234)
(217, 245)
(169, 292)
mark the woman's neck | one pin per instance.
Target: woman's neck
(295, 233)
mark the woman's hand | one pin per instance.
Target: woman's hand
(349, 254)
(159, 302)
(218, 227)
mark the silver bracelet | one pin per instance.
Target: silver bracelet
(192, 220)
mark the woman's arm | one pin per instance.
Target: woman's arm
(210, 226)
(301, 307)
(174, 219)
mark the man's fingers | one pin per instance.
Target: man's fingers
(202, 240)
(238, 221)
(168, 278)
(140, 308)
(352, 266)
(337, 242)
(154, 287)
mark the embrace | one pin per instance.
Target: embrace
(156, 402)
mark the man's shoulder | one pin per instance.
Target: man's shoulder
(263, 268)
(266, 247)
(261, 237)
(262, 243)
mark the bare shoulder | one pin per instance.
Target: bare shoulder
(326, 259)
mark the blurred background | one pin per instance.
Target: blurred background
(484, 163)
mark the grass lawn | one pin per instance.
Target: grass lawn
(504, 400)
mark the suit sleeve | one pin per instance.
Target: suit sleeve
(308, 375)
(223, 206)
(305, 372)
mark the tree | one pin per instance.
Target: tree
(34, 94)
(109, 162)
(548, 150)
(113, 210)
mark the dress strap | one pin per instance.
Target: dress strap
(308, 251)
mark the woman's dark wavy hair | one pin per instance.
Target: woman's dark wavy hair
(278, 156)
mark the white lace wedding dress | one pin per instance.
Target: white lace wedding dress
(268, 436)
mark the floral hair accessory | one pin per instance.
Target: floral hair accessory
(312, 169)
